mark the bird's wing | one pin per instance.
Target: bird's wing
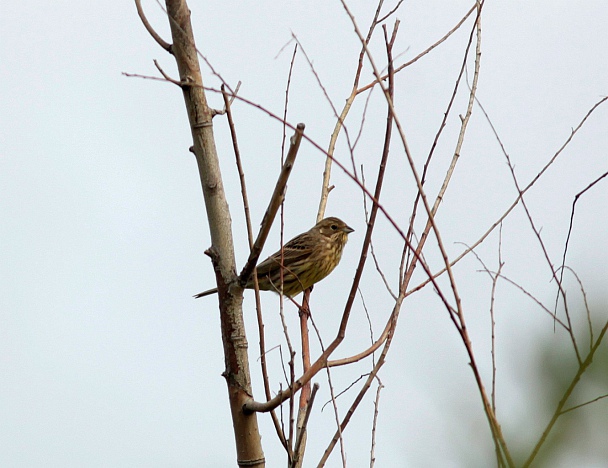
(295, 250)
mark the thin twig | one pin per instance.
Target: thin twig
(315, 74)
(574, 202)
(549, 263)
(587, 310)
(315, 389)
(292, 377)
(537, 233)
(341, 119)
(559, 410)
(333, 108)
(165, 76)
(363, 121)
(305, 394)
(381, 171)
(601, 397)
(531, 296)
(333, 397)
(374, 347)
(372, 454)
(372, 375)
(371, 246)
(369, 320)
(273, 205)
(423, 53)
(230, 99)
(153, 78)
(455, 157)
(345, 390)
(140, 11)
(508, 211)
(294, 457)
(390, 13)
(492, 319)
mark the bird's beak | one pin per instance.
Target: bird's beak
(347, 229)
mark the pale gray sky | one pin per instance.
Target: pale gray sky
(105, 358)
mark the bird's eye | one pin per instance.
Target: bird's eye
(334, 227)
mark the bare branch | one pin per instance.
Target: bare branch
(493, 321)
(372, 375)
(372, 455)
(540, 241)
(165, 76)
(325, 187)
(587, 310)
(423, 53)
(494, 426)
(511, 207)
(231, 98)
(559, 410)
(390, 13)
(153, 78)
(298, 445)
(601, 397)
(140, 11)
(531, 296)
(394, 315)
(576, 199)
(273, 205)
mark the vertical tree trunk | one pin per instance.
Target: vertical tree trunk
(248, 442)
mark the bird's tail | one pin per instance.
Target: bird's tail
(205, 293)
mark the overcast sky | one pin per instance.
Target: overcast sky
(105, 358)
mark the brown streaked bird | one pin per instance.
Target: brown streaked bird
(307, 259)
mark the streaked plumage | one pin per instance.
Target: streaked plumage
(307, 259)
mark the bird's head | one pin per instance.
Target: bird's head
(334, 228)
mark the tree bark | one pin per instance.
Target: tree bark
(237, 375)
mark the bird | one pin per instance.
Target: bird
(307, 259)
